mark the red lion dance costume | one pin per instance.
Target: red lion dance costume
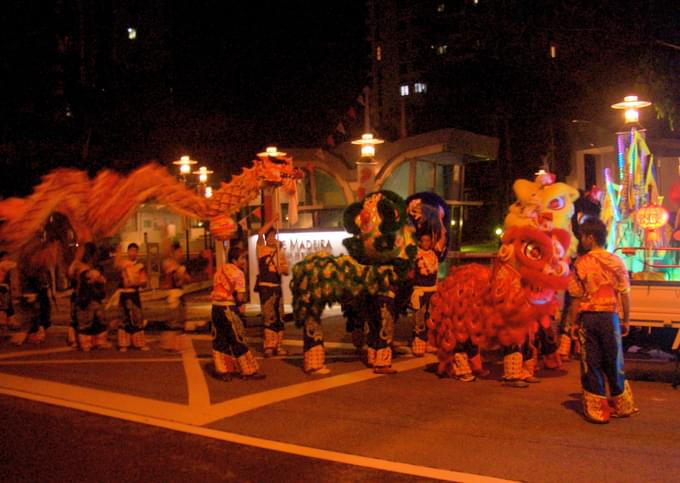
(485, 307)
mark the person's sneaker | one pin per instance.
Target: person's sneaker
(254, 376)
(145, 348)
(281, 352)
(384, 370)
(220, 376)
(466, 378)
(319, 372)
(122, 349)
(532, 380)
(268, 353)
(515, 383)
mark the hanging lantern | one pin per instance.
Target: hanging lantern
(651, 217)
(223, 227)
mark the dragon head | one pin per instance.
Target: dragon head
(384, 227)
(277, 170)
(540, 259)
(543, 204)
(379, 230)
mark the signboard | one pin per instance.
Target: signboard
(296, 245)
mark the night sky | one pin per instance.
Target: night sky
(224, 80)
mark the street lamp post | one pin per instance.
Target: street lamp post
(185, 163)
(204, 190)
(366, 165)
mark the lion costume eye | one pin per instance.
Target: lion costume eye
(556, 203)
(533, 251)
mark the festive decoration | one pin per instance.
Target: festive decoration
(544, 204)
(97, 208)
(651, 217)
(483, 307)
(381, 257)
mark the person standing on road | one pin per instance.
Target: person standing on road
(89, 313)
(271, 263)
(600, 285)
(230, 352)
(425, 285)
(6, 306)
(175, 278)
(132, 278)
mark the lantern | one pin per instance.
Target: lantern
(651, 217)
(223, 227)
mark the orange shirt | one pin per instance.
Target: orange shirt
(597, 279)
(228, 281)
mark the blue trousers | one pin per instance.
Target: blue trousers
(601, 353)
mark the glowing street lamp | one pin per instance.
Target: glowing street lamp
(208, 192)
(631, 105)
(366, 166)
(203, 174)
(272, 152)
(367, 143)
(184, 164)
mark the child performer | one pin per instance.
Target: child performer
(425, 284)
(599, 280)
(132, 278)
(271, 262)
(228, 295)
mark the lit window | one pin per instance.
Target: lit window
(553, 51)
(441, 49)
(378, 54)
(132, 33)
(420, 88)
(404, 90)
(441, 7)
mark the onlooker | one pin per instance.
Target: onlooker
(600, 286)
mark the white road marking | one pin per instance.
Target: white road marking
(197, 386)
(10, 355)
(72, 394)
(293, 449)
(243, 404)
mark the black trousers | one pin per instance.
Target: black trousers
(229, 334)
(132, 311)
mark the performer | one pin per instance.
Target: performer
(381, 317)
(89, 314)
(588, 205)
(601, 287)
(229, 348)
(6, 307)
(175, 278)
(37, 292)
(132, 278)
(271, 262)
(425, 284)
(73, 271)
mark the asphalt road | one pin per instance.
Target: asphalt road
(44, 443)
(350, 425)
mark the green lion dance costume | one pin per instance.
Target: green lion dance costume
(373, 278)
